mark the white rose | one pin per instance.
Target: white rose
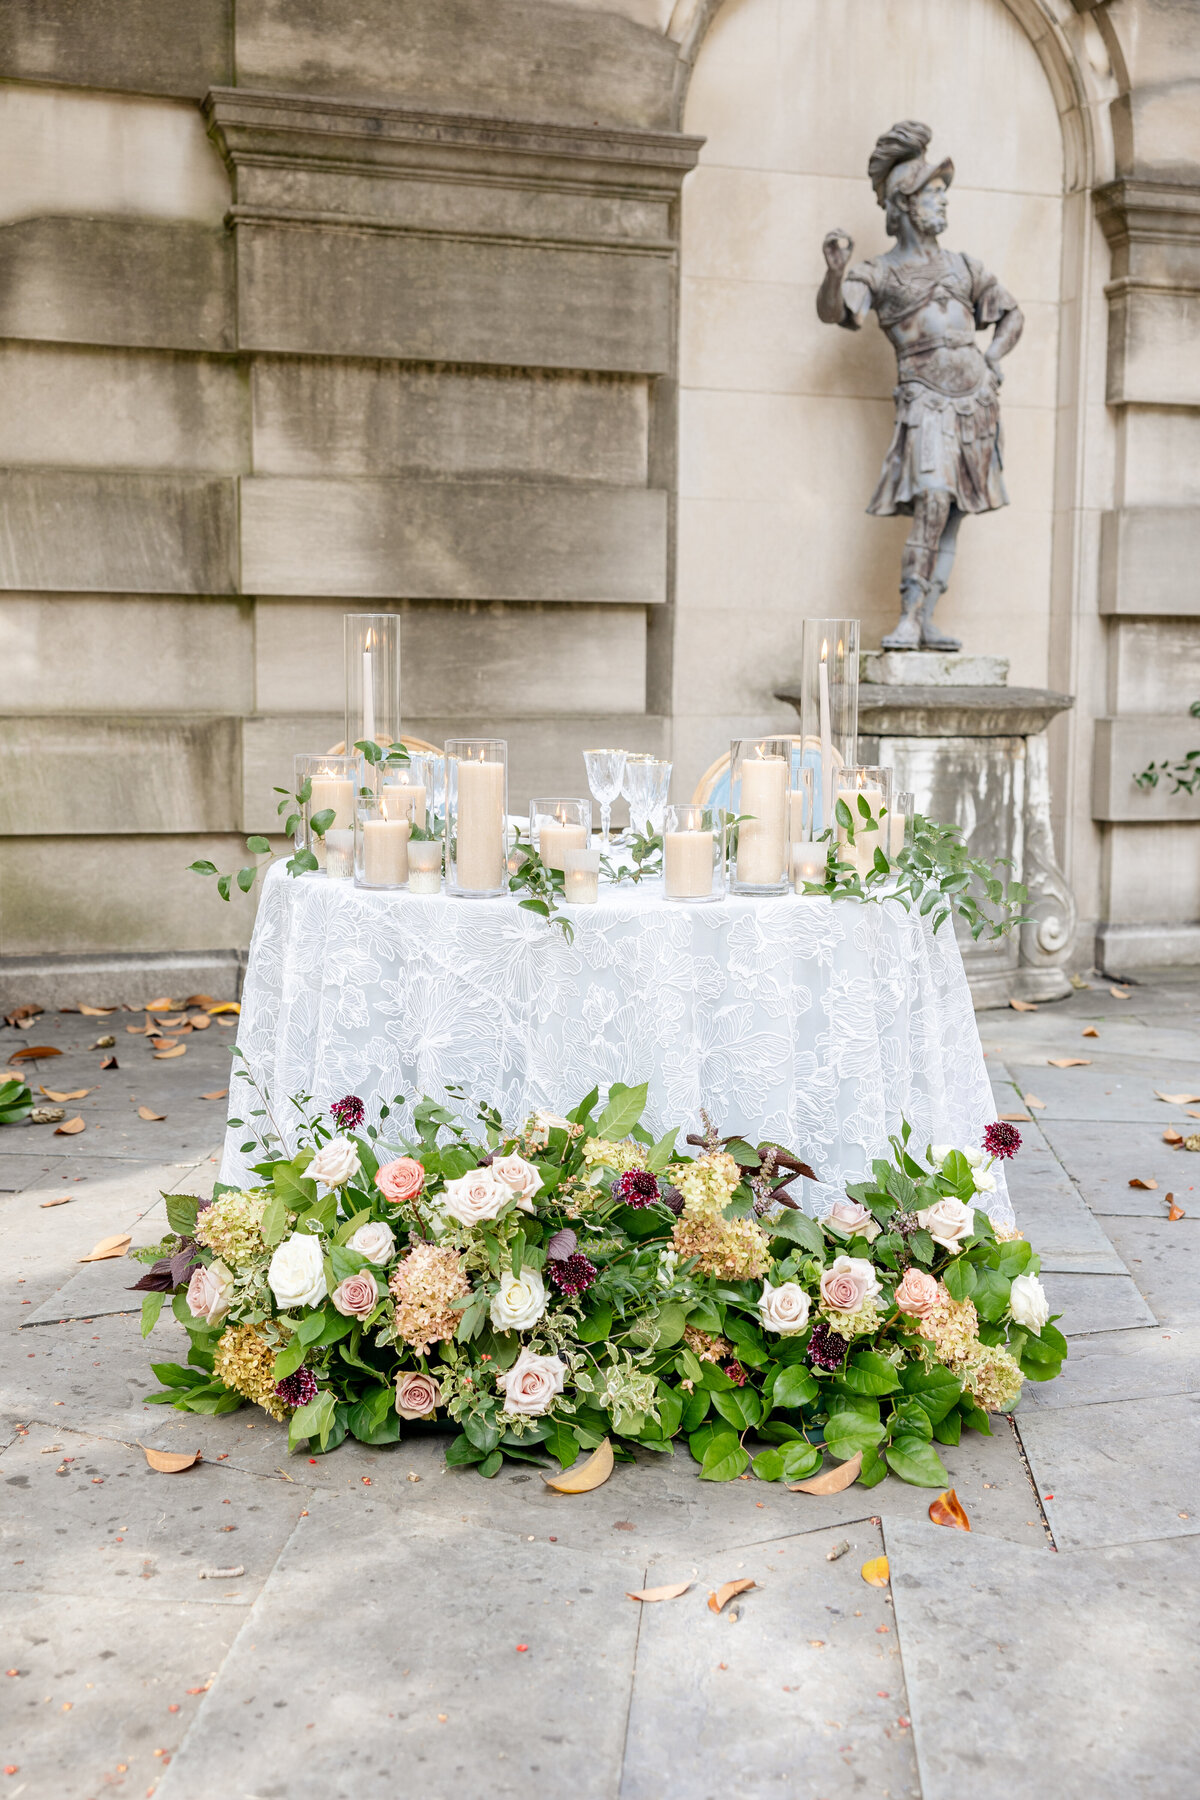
(1028, 1303)
(537, 1131)
(520, 1302)
(985, 1181)
(784, 1309)
(520, 1177)
(852, 1217)
(475, 1197)
(667, 1260)
(948, 1223)
(296, 1275)
(532, 1384)
(335, 1162)
(939, 1152)
(374, 1241)
(210, 1292)
(974, 1157)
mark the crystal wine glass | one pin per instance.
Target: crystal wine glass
(658, 786)
(638, 786)
(605, 774)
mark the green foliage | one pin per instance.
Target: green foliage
(16, 1102)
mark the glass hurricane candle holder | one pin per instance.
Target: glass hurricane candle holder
(829, 707)
(404, 793)
(693, 854)
(372, 679)
(866, 793)
(760, 771)
(380, 844)
(800, 805)
(476, 816)
(605, 773)
(425, 866)
(581, 877)
(334, 783)
(304, 766)
(808, 864)
(900, 823)
(556, 826)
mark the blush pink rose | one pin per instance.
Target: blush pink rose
(210, 1292)
(357, 1296)
(852, 1217)
(918, 1293)
(847, 1283)
(417, 1395)
(514, 1173)
(400, 1180)
(532, 1384)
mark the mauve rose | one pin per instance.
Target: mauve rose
(918, 1293)
(210, 1292)
(417, 1395)
(852, 1217)
(355, 1297)
(400, 1180)
(849, 1282)
(475, 1197)
(532, 1384)
(335, 1162)
(948, 1222)
(520, 1177)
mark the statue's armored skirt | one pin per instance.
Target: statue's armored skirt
(948, 433)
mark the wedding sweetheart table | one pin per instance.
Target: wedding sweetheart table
(815, 1023)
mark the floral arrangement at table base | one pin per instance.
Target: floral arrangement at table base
(541, 1290)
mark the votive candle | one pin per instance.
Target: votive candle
(425, 866)
(581, 876)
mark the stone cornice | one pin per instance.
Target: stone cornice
(1141, 218)
(952, 711)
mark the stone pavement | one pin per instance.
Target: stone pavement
(396, 1627)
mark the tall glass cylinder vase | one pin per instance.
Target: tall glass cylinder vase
(866, 793)
(759, 783)
(829, 708)
(476, 816)
(333, 783)
(372, 680)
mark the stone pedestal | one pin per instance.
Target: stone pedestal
(973, 752)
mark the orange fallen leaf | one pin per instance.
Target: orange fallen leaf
(1032, 1100)
(109, 1247)
(218, 1094)
(1023, 1005)
(948, 1509)
(96, 1012)
(1120, 993)
(225, 1006)
(1171, 1099)
(671, 1592)
(200, 1022)
(1017, 1118)
(63, 1200)
(1171, 1136)
(830, 1481)
(171, 1462)
(145, 1112)
(1174, 1211)
(199, 1000)
(70, 1127)
(110, 1062)
(173, 1023)
(159, 1006)
(75, 1094)
(32, 1051)
(584, 1476)
(163, 1043)
(876, 1572)
(1137, 1182)
(1089, 1031)
(165, 1055)
(1069, 1062)
(726, 1592)
(140, 1030)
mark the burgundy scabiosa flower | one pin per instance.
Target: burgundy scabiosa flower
(1002, 1139)
(348, 1113)
(574, 1274)
(637, 1188)
(826, 1347)
(297, 1389)
(735, 1372)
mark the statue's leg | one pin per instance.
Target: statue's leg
(931, 510)
(931, 637)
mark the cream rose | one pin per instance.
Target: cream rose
(210, 1292)
(939, 1153)
(973, 1156)
(296, 1275)
(375, 1241)
(335, 1163)
(985, 1181)
(852, 1217)
(357, 1296)
(848, 1282)
(520, 1302)
(532, 1384)
(417, 1395)
(1028, 1303)
(400, 1180)
(784, 1309)
(918, 1293)
(520, 1177)
(475, 1197)
(948, 1223)
(537, 1131)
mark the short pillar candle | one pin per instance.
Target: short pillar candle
(477, 806)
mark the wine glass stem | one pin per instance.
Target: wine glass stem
(605, 820)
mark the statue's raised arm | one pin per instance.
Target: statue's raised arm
(945, 458)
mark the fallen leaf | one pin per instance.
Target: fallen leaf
(948, 1509)
(1089, 1031)
(219, 1094)
(140, 1030)
(63, 1200)
(47, 1115)
(31, 1052)
(20, 1014)
(1120, 993)
(96, 1012)
(144, 1112)
(1023, 1005)
(104, 1043)
(200, 1000)
(173, 1023)
(164, 1055)
(1192, 1113)
(1032, 1100)
(109, 1247)
(584, 1476)
(726, 1592)
(216, 1575)
(1078, 982)
(70, 1127)
(1137, 1182)
(1171, 1136)
(876, 1572)
(225, 1006)
(671, 1592)
(201, 1022)
(1171, 1099)
(110, 1062)
(75, 1094)
(1069, 1062)
(163, 1043)
(172, 1462)
(159, 1006)
(830, 1481)
(1174, 1211)
(1017, 1118)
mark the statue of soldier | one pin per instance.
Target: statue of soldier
(945, 456)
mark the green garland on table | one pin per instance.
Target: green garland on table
(543, 1290)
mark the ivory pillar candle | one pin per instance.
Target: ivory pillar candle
(581, 877)
(425, 866)
(385, 852)
(339, 853)
(896, 823)
(862, 852)
(480, 854)
(404, 800)
(555, 839)
(688, 865)
(332, 791)
(762, 837)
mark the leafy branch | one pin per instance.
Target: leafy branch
(646, 848)
(1184, 774)
(542, 886)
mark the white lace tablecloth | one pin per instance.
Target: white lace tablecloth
(816, 1024)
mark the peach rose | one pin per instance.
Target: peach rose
(357, 1296)
(918, 1293)
(417, 1395)
(210, 1292)
(849, 1282)
(400, 1180)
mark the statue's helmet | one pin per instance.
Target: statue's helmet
(898, 169)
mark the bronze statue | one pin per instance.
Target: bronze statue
(945, 457)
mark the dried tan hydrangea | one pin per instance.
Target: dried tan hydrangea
(952, 1327)
(708, 1184)
(734, 1249)
(230, 1227)
(993, 1377)
(244, 1361)
(622, 1157)
(424, 1283)
(1006, 1234)
(705, 1346)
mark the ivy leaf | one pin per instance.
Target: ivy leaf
(794, 1387)
(800, 1460)
(916, 1462)
(869, 1373)
(724, 1459)
(740, 1406)
(203, 868)
(768, 1465)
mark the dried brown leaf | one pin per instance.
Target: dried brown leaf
(1069, 1062)
(199, 1000)
(948, 1509)
(159, 1006)
(110, 1062)
(584, 1476)
(146, 1112)
(225, 1006)
(173, 1022)
(165, 1055)
(726, 1592)
(20, 1015)
(218, 1094)
(1174, 1210)
(109, 1247)
(1171, 1099)
(1089, 1031)
(830, 1481)
(105, 1043)
(47, 1115)
(1120, 993)
(163, 1043)
(672, 1591)
(1032, 1100)
(63, 1200)
(31, 1052)
(1137, 1182)
(1017, 1118)
(201, 1022)
(70, 1127)
(75, 1094)
(1023, 1005)
(96, 1012)
(1171, 1136)
(876, 1572)
(172, 1462)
